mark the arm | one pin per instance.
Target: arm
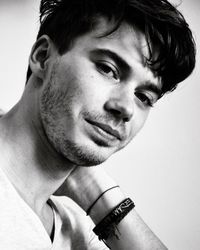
(85, 184)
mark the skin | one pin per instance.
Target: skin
(87, 86)
(77, 110)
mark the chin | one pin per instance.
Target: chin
(83, 155)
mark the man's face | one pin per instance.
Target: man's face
(97, 96)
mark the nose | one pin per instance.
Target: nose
(121, 106)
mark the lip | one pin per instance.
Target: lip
(106, 128)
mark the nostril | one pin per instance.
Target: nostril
(115, 112)
(126, 119)
(119, 114)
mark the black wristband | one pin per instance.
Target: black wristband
(107, 227)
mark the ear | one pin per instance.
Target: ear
(41, 52)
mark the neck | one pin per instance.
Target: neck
(32, 165)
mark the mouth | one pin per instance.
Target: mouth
(106, 129)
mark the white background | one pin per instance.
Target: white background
(160, 169)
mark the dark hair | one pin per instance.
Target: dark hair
(165, 29)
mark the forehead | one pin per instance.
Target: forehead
(125, 38)
(127, 42)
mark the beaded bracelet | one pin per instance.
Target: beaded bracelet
(89, 209)
(108, 226)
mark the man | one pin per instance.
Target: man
(95, 71)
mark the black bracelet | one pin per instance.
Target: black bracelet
(89, 209)
(108, 226)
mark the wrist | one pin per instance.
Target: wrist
(84, 185)
(105, 204)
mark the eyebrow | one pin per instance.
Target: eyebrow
(148, 85)
(151, 87)
(116, 58)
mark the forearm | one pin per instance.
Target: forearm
(132, 232)
(85, 185)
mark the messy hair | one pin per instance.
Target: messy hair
(167, 33)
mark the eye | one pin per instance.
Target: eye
(146, 98)
(108, 69)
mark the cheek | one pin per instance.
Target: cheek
(85, 83)
(138, 122)
(72, 90)
(89, 92)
